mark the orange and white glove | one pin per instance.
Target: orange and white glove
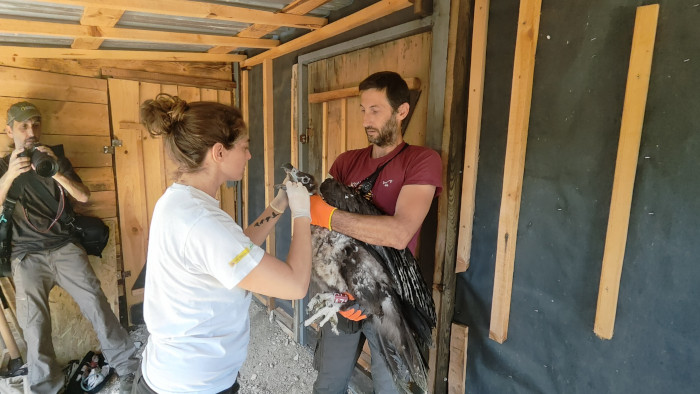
(321, 212)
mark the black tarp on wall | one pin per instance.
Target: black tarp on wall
(580, 75)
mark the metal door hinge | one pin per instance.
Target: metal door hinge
(123, 274)
(109, 150)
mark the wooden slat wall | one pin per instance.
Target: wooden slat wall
(144, 169)
(74, 113)
(343, 117)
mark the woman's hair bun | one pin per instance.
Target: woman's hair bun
(161, 114)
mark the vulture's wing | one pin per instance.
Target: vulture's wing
(417, 302)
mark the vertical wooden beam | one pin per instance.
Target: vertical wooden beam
(520, 100)
(471, 149)
(246, 117)
(451, 142)
(269, 142)
(625, 168)
(269, 152)
(343, 124)
(324, 141)
(457, 377)
(294, 135)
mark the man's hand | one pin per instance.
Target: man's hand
(351, 309)
(321, 212)
(18, 165)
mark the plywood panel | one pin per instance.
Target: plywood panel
(189, 93)
(209, 95)
(41, 85)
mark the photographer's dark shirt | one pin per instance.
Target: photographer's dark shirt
(32, 216)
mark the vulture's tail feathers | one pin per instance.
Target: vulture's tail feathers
(407, 365)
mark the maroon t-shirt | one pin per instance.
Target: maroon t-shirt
(416, 165)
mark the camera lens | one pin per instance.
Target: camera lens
(44, 164)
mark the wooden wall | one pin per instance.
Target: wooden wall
(409, 57)
(74, 113)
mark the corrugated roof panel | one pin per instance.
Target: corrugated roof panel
(126, 45)
(276, 5)
(33, 40)
(38, 11)
(146, 21)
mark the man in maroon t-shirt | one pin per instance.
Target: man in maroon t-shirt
(404, 191)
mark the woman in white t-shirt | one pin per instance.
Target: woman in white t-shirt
(202, 266)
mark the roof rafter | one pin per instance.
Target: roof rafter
(96, 17)
(197, 9)
(69, 53)
(15, 26)
(297, 7)
(359, 18)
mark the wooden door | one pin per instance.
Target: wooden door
(143, 172)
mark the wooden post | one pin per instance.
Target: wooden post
(471, 149)
(269, 151)
(457, 377)
(246, 117)
(521, 96)
(625, 168)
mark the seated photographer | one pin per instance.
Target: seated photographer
(46, 253)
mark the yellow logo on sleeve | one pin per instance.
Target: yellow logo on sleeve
(240, 256)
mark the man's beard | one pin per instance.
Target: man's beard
(386, 136)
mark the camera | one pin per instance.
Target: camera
(44, 164)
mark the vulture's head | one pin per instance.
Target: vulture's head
(298, 176)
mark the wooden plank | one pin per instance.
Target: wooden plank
(269, 142)
(257, 30)
(225, 97)
(83, 151)
(97, 179)
(182, 80)
(65, 117)
(209, 95)
(413, 84)
(92, 17)
(102, 204)
(94, 54)
(197, 9)
(31, 84)
(245, 111)
(189, 93)
(93, 68)
(521, 96)
(473, 132)
(131, 188)
(155, 178)
(294, 127)
(359, 18)
(625, 167)
(97, 33)
(457, 377)
(8, 290)
(324, 139)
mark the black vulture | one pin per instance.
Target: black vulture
(386, 283)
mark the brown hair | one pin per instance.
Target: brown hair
(190, 129)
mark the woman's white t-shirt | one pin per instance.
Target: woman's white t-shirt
(196, 316)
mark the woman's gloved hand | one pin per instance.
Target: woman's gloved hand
(280, 203)
(298, 198)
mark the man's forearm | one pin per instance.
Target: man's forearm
(76, 189)
(375, 230)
